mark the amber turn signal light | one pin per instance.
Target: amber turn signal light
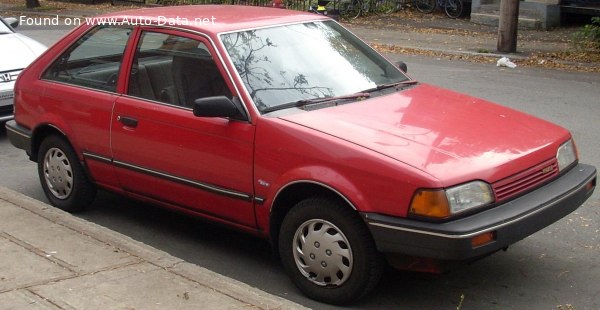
(591, 185)
(430, 203)
(483, 239)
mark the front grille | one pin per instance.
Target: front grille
(526, 180)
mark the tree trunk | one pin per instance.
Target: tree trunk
(507, 28)
(32, 3)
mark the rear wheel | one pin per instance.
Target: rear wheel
(328, 252)
(425, 6)
(62, 177)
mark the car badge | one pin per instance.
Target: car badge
(5, 77)
(547, 169)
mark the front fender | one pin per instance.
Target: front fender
(324, 177)
(287, 153)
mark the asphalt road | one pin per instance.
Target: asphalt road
(558, 267)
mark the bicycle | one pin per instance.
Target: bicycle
(346, 8)
(452, 8)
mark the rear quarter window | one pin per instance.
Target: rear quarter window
(93, 61)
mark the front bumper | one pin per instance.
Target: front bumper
(509, 222)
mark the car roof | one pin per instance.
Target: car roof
(226, 17)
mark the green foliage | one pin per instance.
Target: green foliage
(589, 36)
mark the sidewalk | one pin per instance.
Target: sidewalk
(52, 260)
(436, 32)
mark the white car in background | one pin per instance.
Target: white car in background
(16, 52)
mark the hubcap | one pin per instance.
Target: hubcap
(58, 173)
(322, 253)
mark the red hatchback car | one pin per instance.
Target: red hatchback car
(285, 125)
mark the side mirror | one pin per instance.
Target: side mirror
(13, 22)
(402, 66)
(219, 106)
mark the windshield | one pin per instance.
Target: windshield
(291, 63)
(4, 28)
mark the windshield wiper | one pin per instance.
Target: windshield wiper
(304, 102)
(362, 94)
(390, 85)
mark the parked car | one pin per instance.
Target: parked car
(285, 125)
(16, 53)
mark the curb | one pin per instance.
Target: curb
(202, 276)
(454, 52)
(493, 56)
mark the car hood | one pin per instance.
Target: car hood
(18, 51)
(451, 136)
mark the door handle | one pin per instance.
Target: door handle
(127, 121)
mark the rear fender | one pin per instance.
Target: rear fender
(52, 123)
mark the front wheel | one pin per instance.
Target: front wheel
(328, 252)
(62, 177)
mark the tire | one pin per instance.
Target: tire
(63, 179)
(425, 6)
(328, 252)
(454, 8)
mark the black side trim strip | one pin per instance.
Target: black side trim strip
(196, 184)
(165, 176)
(98, 157)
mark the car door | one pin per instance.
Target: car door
(165, 153)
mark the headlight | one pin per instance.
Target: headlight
(469, 196)
(566, 155)
(445, 203)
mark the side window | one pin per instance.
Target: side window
(174, 70)
(93, 61)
